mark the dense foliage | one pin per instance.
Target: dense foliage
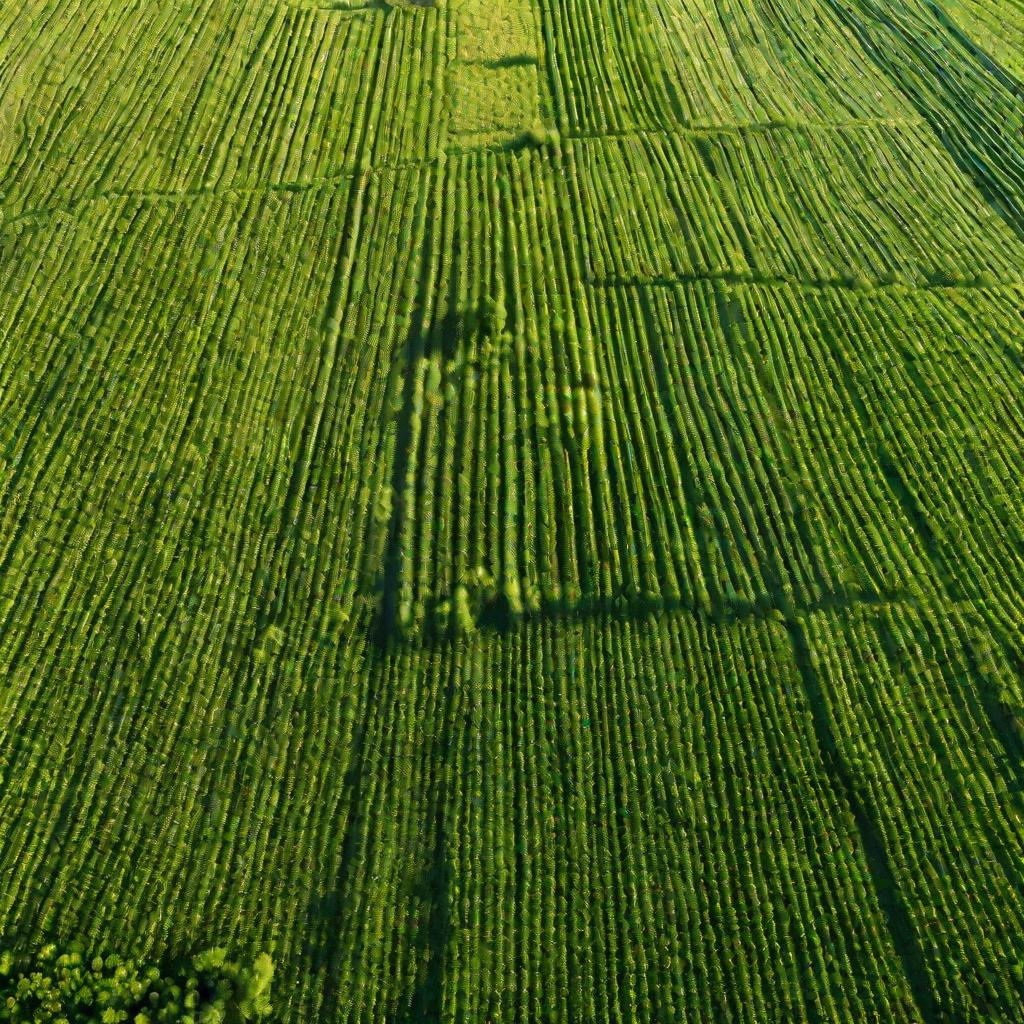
(50, 987)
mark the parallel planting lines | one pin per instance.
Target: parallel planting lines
(516, 510)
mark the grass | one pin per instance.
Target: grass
(515, 515)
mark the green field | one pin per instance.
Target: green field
(516, 510)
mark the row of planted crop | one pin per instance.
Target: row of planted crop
(784, 205)
(226, 100)
(142, 520)
(654, 796)
(495, 405)
(932, 423)
(668, 65)
(928, 753)
(969, 102)
(690, 472)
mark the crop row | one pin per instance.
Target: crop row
(155, 451)
(1000, 30)
(243, 96)
(727, 448)
(924, 725)
(971, 103)
(854, 207)
(668, 64)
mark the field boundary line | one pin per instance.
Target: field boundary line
(743, 128)
(631, 608)
(40, 215)
(757, 281)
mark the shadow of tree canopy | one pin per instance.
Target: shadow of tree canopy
(444, 339)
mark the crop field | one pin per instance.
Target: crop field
(516, 510)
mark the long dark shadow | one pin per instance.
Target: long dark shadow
(883, 879)
(425, 1002)
(443, 340)
(974, 127)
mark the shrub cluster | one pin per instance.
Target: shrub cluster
(49, 987)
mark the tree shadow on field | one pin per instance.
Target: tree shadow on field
(430, 943)
(882, 875)
(326, 910)
(444, 341)
(338, 944)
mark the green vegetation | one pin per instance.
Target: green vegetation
(515, 510)
(69, 988)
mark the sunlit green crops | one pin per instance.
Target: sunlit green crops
(516, 510)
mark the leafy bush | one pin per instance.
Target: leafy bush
(70, 988)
